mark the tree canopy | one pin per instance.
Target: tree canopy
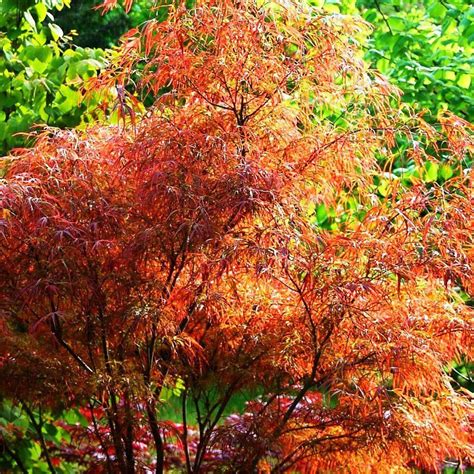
(183, 254)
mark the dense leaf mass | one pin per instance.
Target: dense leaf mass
(180, 249)
(41, 72)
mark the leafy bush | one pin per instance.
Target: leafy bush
(174, 254)
(427, 48)
(41, 72)
(32, 439)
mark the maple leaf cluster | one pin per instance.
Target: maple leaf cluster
(178, 249)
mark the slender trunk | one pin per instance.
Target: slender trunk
(112, 409)
(155, 431)
(289, 412)
(203, 442)
(111, 414)
(185, 433)
(151, 406)
(101, 439)
(130, 457)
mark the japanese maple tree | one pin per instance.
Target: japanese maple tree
(183, 251)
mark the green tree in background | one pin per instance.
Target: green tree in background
(41, 71)
(31, 438)
(427, 48)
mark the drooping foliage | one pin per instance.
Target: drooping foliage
(181, 252)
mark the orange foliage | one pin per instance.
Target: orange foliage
(179, 248)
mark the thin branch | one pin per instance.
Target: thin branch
(185, 431)
(38, 428)
(377, 5)
(101, 439)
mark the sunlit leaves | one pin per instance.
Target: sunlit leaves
(427, 49)
(274, 225)
(41, 75)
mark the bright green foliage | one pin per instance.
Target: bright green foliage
(41, 72)
(427, 47)
(21, 430)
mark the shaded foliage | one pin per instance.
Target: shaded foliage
(35, 441)
(96, 30)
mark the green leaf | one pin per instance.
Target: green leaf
(29, 18)
(56, 31)
(321, 214)
(448, 26)
(70, 417)
(437, 10)
(464, 81)
(22, 422)
(371, 16)
(397, 23)
(383, 188)
(41, 10)
(51, 432)
(431, 172)
(445, 171)
(450, 75)
(35, 451)
(166, 394)
(398, 46)
(40, 53)
(39, 66)
(178, 387)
